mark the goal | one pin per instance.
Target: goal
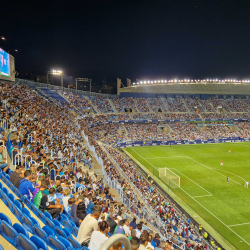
(169, 176)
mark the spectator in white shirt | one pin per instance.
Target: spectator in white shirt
(126, 228)
(98, 237)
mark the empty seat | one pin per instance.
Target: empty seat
(66, 231)
(67, 225)
(27, 223)
(24, 243)
(34, 209)
(57, 223)
(74, 243)
(9, 204)
(1, 247)
(8, 232)
(18, 204)
(56, 244)
(48, 215)
(74, 231)
(1, 185)
(41, 216)
(18, 213)
(49, 223)
(6, 191)
(26, 211)
(60, 232)
(5, 218)
(40, 244)
(40, 233)
(20, 229)
(12, 197)
(48, 231)
(65, 242)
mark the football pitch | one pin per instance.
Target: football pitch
(203, 183)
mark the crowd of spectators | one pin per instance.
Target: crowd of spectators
(193, 104)
(124, 103)
(142, 104)
(238, 105)
(176, 105)
(102, 104)
(156, 103)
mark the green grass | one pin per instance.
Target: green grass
(201, 175)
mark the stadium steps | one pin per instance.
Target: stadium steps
(149, 106)
(136, 105)
(54, 95)
(112, 105)
(164, 102)
(92, 105)
(186, 106)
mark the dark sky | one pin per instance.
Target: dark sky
(135, 39)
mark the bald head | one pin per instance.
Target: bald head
(57, 183)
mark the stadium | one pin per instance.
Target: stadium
(166, 158)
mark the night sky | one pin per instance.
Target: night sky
(135, 39)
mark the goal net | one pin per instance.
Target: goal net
(169, 177)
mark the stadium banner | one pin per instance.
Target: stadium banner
(179, 142)
(167, 120)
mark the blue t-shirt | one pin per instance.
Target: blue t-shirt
(26, 187)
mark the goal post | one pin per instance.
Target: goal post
(168, 176)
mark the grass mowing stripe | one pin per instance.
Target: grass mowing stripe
(240, 165)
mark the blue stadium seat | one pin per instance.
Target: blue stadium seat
(65, 242)
(34, 209)
(60, 232)
(67, 225)
(8, 232)
(48, 215)
(49, 223)
(9, 204)
(74, 243)
(49, 231)
(24, 243)
(85, 248)
(5, 218)
(66, 231)
(18, 213)
(6, 191)
(27, 223)
(18, 204)
(3, 197)
(74, 231)
(27, 202)
(40, 244)
(20, 229)
(56, 244)
(26, 211)
(63, 217)
(1, 185)
(57, 223)
(41, 216)
(12, 197)
(40, 233)
(1, 247)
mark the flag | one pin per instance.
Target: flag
(153, 171)
(169, 186)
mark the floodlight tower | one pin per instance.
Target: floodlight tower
(55, 72)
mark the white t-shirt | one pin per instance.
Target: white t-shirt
(127, 230)
(86, 229)
(96, 240)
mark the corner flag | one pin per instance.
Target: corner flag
(169, 186)
(153, 171)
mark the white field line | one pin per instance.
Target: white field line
(231, 173)
(195, 183)
(202, 196)
(212, 169)
(202, 205)
(164, 157)
(239, 224)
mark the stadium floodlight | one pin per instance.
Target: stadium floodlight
(175, 80)
(148, 81)
(55, 72)
(155, 81)
(152, 81)
(12, 50)
(3, 38)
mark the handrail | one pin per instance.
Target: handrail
(114, 239)
(17, 155)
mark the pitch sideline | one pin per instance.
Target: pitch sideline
(198, 201)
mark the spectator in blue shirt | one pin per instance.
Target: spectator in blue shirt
(25, 187)
(133, 223)
(91, 204)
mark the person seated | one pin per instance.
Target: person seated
(87, 227)
(3, 162)
(25, 187)
(41, 202)
(98, 237)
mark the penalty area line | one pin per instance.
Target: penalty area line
(200, 203)
(239, 224)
